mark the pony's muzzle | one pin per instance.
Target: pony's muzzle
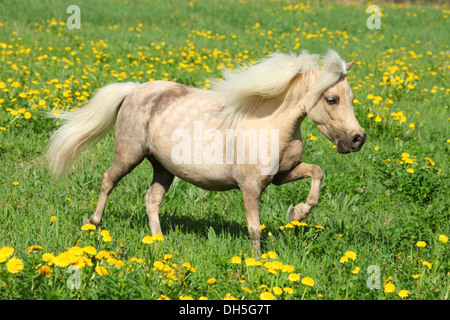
(351, 143)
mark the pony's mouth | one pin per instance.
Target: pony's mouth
(351, 143)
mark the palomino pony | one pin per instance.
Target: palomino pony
(200, 135)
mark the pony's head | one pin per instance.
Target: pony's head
(331, 108)
(322, 88)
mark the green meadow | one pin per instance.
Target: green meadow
(379, 232)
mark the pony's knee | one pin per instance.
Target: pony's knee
(316, 172)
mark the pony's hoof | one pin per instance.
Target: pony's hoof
(291, 215)
(299, 212)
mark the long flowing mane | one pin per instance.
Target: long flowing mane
(243, 90)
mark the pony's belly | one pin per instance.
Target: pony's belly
(208, 177)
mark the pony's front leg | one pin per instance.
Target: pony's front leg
(162, 179)
(303, 170)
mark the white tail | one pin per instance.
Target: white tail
(86, 125)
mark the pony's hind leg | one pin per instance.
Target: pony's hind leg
(162, 179)
(125, 160)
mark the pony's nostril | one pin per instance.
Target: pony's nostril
(357, 141)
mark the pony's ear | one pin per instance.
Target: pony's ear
(349, 65)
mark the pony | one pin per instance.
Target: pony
(201, 135)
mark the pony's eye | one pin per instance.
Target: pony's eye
(331, 100)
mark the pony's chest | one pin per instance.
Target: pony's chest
(291, 155)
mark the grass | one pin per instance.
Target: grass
(369, 203)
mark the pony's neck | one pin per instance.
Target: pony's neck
(286, 110)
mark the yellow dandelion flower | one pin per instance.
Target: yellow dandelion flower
(421, 244)
(45, 271)
(416, 276)
(48, 257)
(288, 290)
(431, 162)
(102, 255)
(147, 239)
(34, 248)
(247, 290)
(427, 264)
(236, 260)
(107, 239)
(158, 237)
(104, 233)
(14, 265)
(211, 281)
(263, 287)
(308, 281)
(410, 170)
(52, 219)
(350, 255)
(293, 277)
(90, 250)
(158, 265)
(378, 119)
(88, 226)
(302, 224)
(404, 293)
(65, 259)
(277, 291)
(250, 262)
(387, 280)
(115, 262)
(343, 259)
(356, 270)
(288, 268)
(76, 250)
(389, 288)
(443, 238)
(81, 262)
(5, 253)
(101, 271)
(228, 296)
(266, 296)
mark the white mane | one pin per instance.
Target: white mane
(243, 90)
